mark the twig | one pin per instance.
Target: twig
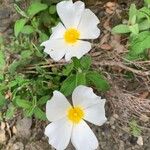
(118, 64)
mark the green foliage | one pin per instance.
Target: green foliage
(36, 20)
(96, 79)
(19, 26)
(81, 74)
(121, 29)
(2, 59)
(2, 100)
(139, 28)
(28, 78)
(35, 8)
(68, 85)
(134, 128)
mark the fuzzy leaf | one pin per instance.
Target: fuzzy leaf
(141, 43)
(2, 60)
(86, 62)
(52, 9)
(23, 103)
(28, 29)
(132, 14)
(144, 25)
(134, 29)
(35, 8)
(39, 114)
(10, 112)
(19, 26)
(121, 29)
(68, 85)
(80, 79)
(43, 100)
(97, 80)
(2, 100)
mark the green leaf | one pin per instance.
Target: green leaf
(23, 103)
(39, 114)
(29, 112)
(10, 112)
(121, 29)
(132, 14)
(35, 8)
(86, 62)
(140, 43)
(145, 11)
(2, 100)
(147, 2)
(144, 25)
(80, 79)
(21, 12)
(76, 62)
(43, 37)
(68, 85)
(134, 29)
(43, 100)
(97, 80)
(2, 60)
(135, 129)
(19, 26)
(26, 54)
(68, 68)
(52, 9)
(28, 29)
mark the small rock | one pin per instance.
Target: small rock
(17, 146)
(3, 137)
(23, 128)
(140, 141)
(110, 7)
(115, 116)
(112, 121)
(144, 118)
(121, 145)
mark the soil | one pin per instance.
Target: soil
(125, 100)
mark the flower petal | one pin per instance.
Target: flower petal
(56, 107)
(70, 13)
(88, 25)
(78, 50)
(56, 48)
(58, 31)
(59, 133)
(83, 137)
(84, 96)
(96, 113)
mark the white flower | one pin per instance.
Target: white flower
(68, 38)
(68, 121)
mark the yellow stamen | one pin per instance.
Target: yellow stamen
(71, 36)
(75, 114)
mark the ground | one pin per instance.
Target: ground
(128, 98)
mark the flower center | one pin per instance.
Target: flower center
(71, 36)
(75, 114)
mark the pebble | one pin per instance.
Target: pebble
(23, 128)
(121, 145)
(17, 146)
(3, 137)
(140, 141)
